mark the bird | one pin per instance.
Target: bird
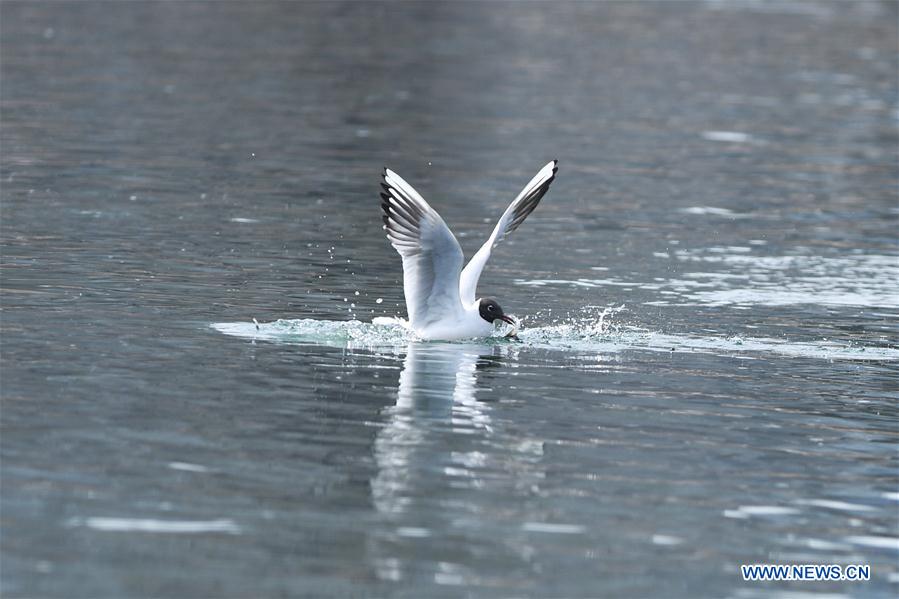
(441, 296)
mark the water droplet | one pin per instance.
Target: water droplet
(379, 300)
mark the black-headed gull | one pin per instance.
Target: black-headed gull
(440, 295)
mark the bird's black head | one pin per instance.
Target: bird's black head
(491, 311)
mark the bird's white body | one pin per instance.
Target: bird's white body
(440, 294)
(464, 325)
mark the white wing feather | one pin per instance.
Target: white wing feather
(514, 215)
(432, 258)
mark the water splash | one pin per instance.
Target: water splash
(350, 334)
(597, 333)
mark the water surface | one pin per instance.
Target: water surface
(707, 372)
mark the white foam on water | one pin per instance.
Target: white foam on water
(553, 528)
(666, 540)
(187, 467)
(413, 531)
(778, 7)
(735, 137)
(875, 542)
(713, 211)
(589, 283)
(157, 526)
(823, 545)
(841, 506)
(748, 511)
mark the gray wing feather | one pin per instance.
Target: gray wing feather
(514, 215)
(432, 258)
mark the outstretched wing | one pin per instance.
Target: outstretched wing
(514, 215)
(432, 258)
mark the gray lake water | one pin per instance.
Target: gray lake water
(707, 374)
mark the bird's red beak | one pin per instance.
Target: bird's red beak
(505, 318)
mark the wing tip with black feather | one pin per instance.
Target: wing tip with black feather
(402, 216)
(530, 200)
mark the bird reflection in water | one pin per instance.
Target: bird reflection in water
(439, 458)
(436, 399)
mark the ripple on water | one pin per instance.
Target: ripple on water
(889, 543)
(867, 280)
(736, 276)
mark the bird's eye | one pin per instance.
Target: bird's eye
(491, 308)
